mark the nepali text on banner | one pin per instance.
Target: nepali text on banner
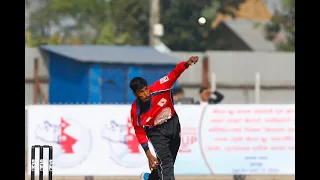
(217, 139)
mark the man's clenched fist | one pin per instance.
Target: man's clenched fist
(192, 60)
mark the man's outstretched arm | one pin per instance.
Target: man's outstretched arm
(168, 81)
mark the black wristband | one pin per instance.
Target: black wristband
(145, 146)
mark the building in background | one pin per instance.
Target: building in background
(235, 73)
(101, 74)
(235, 76)
(245, 31)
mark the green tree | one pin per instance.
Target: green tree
(29, 41)
(42, 20)
(180, 20)
(95, 21)
(88, 16)
(131, 21)
(284, 20)
(127, 21)
(108, 36)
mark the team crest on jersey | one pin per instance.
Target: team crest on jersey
(163, 116)
(162, 102)
(164, 79)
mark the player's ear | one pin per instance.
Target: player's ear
(135, 94)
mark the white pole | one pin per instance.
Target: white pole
(257, 87)
(213, 81)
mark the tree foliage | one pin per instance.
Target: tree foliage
(93, 21)
(124, 22)
(283, 22)
(180, 19)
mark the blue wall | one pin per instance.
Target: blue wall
(115, 79)
(95, 83)
(76, 82)
(114, 86)
(68, 80)
(151, 73)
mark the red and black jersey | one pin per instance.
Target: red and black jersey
(161, 104)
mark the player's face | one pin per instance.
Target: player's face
(144, 94)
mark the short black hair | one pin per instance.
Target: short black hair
(137, 83)
(177, 90)
(202, 89)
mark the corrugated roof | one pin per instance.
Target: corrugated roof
(111, 54)
(252, 36)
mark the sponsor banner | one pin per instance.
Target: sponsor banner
(248, 139)
(219, 139)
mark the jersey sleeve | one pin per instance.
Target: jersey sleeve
(168, 81)
(139, 131)
(141, 136)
